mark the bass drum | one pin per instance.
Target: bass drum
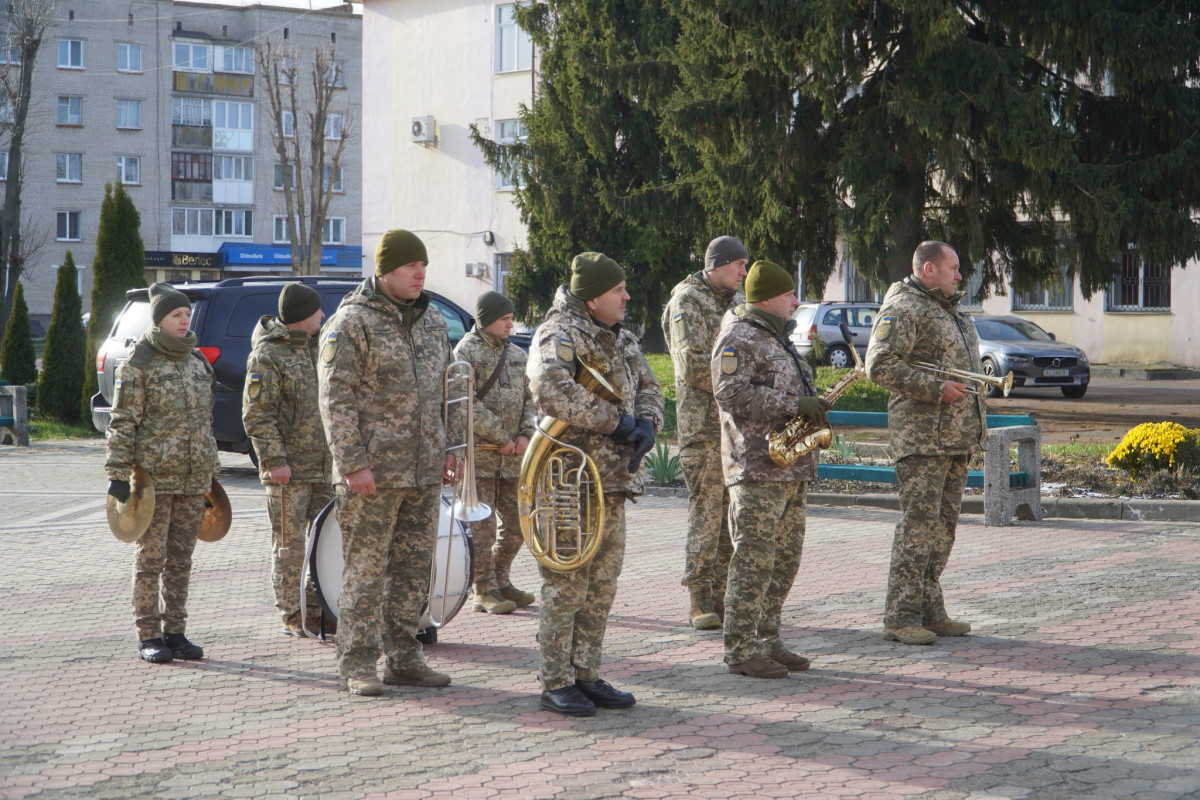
(450, 576)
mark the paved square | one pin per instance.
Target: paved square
(1081, 679)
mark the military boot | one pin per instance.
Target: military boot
(702, 615)
(155, 651)
(520, 598)
(948, 627)
(494, 603)
(181, 648)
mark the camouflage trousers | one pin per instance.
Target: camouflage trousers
(304, 501)
(767, 523)
(494, 554)
(162, 565)
(387, 546)
(931, 490)
(575, 605)
(709, 545)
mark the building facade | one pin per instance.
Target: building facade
(437, 67)
(164, 97)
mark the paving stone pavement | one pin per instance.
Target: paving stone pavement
(1080, 681)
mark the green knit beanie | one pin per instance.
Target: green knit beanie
(766, 280)
(165, 298)
(490, 307)
(593, 274)
(297, 303)
(397, 248)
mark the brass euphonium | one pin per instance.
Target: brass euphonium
(560, 497)
(802, 434)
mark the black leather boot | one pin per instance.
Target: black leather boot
(568, 700)
(602, 693)
(155, 651)
(181, 648)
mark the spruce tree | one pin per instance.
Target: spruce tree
(63, 366)
(119, 265)
(18, 361)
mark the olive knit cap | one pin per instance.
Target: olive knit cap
(724, 250)
(297, 303)
(165, 298)
(766, 280)
(397, 248)
(593, 274)
(490, 307)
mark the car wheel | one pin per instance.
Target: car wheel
(1074, 392)
(838, 355)
(989, 369)
(253, 457)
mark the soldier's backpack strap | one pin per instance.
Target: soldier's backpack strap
(482, 391)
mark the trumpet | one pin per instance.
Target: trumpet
(976, 381)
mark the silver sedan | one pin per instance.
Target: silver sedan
(1036, 360)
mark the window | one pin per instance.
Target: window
(235, 222)
(514, 48)
(289, 124)
(291, 176)
(334, 126)
(70, 54)
(1053, 295)
(335, 75)
(70, 111)
(68, 226)
(191, 111)
(286, 67)
(10, 52)
(233, 125)
(191, 57)
(236, 59)
(972, 288)
(509, 131)
(129, 113)
(334, 231)
(4, 165)
(191, 166)
(1141, 287)
(129, 57)
(191, 221)
(336, 184)
(858, 288)
(233, 168)
(129, 169)
(282, 231)
(70, 167)
(503, 266)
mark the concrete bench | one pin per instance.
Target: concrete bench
(1007, 493)
(14, 415)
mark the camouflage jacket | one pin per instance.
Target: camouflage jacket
(162, 419)
(917, 324)
(570, 336)
(279, 403)
(690, 323)
(381, 389)
(506, 411)
(758, 378)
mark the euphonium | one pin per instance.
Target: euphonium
(560, 498)
(802, 435)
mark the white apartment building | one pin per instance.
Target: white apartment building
(163, 97)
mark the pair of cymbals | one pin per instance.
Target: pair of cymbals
(129, 520)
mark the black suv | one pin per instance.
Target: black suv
(224, 314)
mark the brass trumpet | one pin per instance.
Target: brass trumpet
(975, 380)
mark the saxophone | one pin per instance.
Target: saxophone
(802, 435)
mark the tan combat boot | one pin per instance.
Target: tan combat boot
(701, 614)
(493, 603)
(759, 667)
(520, 598)
(948, 627)
(911, 634)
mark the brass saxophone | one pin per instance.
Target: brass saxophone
(802, 435)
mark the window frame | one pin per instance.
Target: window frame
(331, 223)
(65, 120)
(246, 216)
(127, 49)
(277, 177)
(191, 166)
(128, 103)
(70, 53)
(1118, 290)
(246, 168)
(335, 122)
(222, 55)
(186, 109)
(508, 29)
(3, 165)
(191, 62)
(509, 181)
(59, 217)
(336, 187)
(199, 212)
(63, 163)
(123, 163)
(275, 221)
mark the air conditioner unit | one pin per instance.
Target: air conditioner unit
(424, 130)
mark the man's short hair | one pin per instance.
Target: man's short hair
(928, 251)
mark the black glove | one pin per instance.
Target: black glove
(624, 427)
(642, 440)
(119, 490)
(814, 408)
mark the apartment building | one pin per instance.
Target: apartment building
(164, 97)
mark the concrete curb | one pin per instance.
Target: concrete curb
(1141, 372)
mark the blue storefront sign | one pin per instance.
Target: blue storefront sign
(268, 255)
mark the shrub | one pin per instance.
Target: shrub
(861, 396)
(63, 363)
(662, 466)
(1154, 446)
(18, 360)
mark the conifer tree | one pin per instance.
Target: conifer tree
(119, 265)
(62, 378)
(18, 362)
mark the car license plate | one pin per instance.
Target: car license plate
(1055, 373)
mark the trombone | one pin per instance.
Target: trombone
(976, 381)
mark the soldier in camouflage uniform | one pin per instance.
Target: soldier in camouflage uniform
(381, 369)
(162, 420)
(279, 411)
(690, 323)
(934, 425)
(760, 383)
(584, 327)
(504, 422)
